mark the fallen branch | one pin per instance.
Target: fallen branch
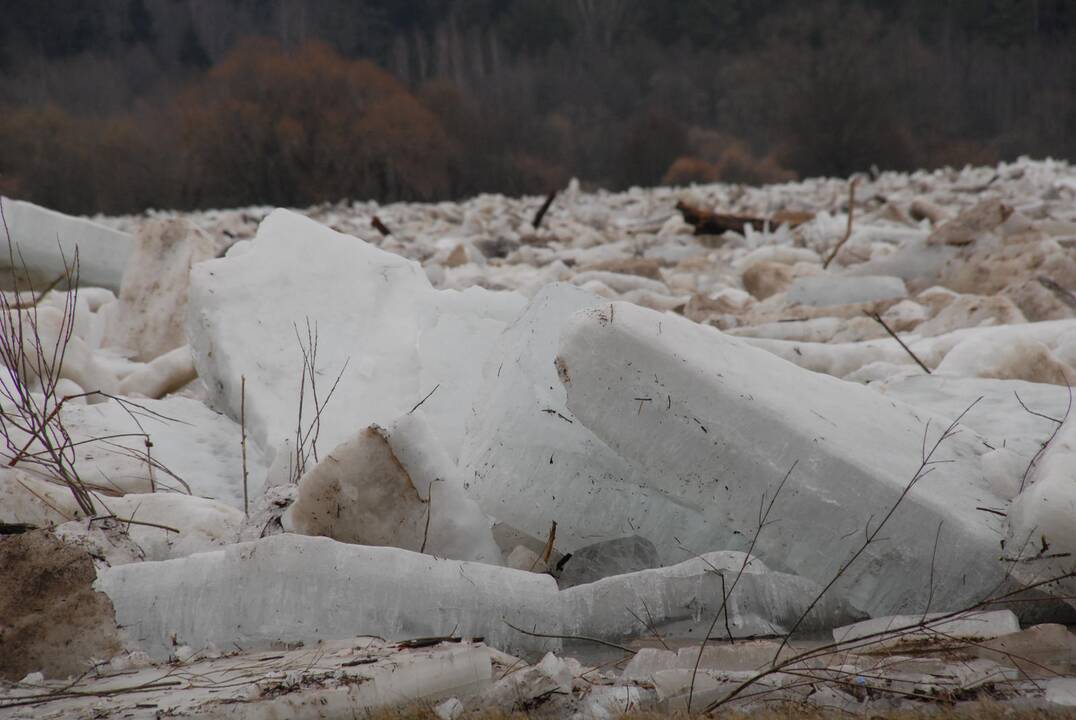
(707, 222)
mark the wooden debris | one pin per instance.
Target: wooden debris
(970, 224)
(543, 210)
(381, 227)
(707, 222)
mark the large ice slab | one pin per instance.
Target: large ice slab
(292, 588)
(43, 238)
(714, 424)
(375, 312)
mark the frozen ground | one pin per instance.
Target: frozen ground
(323, 463)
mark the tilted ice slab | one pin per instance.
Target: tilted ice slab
(715, 424)
(374, 311)
(289, 588)
(44, 240)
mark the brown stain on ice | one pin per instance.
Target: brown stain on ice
(362, 494)
(51, 618)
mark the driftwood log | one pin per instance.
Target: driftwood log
(707, 222)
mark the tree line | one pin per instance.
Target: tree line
(122, 105)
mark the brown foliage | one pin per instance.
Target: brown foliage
(718, 157)
(302, 126)
(265, 125)
(686, 170)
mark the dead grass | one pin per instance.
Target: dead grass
(983, 710)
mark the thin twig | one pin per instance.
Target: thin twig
(878, 319)
(1042, 449)
(584, 638)
(52, 697)
(724, 603)
(649, 626)
(243, 437)
(1032, 412)
(848, 230)
(132, 521)
(428, 395)
(26, 360)
(41, 295)
(429, 512)
(933, 557)
(923, 470)
(764, 510)
(306, 440)
(874, 638)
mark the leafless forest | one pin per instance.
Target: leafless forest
(121, 105)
